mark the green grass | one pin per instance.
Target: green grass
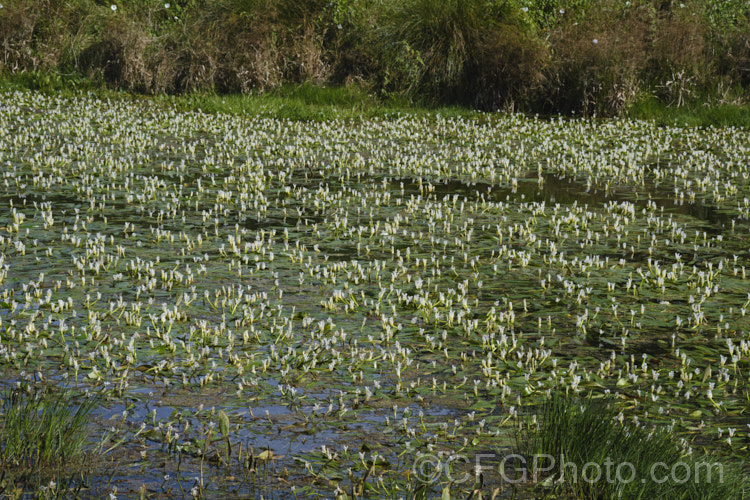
(311, 103)
(302, 102)
(308, 102)
(42, 427)
(49, 82)
(471, 52)
(693, 114)
(588, 431)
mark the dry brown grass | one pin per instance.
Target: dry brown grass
(509, 68)
(597, 64)
(119, 55)
(309, 55)
(16, 36)
(739, 58)
(680, 58)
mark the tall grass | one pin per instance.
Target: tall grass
(578, 432)
(580, 56)
(42, 427)
(474, 52)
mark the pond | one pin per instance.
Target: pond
(355, 296)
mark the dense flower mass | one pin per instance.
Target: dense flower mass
(332, 296)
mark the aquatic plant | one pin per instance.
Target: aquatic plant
(330, 303)
(41, 427)
(43, 433)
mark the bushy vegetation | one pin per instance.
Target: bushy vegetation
(552, 55)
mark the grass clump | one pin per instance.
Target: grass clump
(467, 51)
(42, 431)
(585, 449)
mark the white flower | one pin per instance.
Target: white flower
(595, 41)
(113, 7)
(167, 5)
(562, 11)
(525, 9)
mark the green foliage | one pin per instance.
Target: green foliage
(586, 431)
(724, 16)
(694, 115)
(325, 96)
(41, 427)
(51, 81)
(554, 56)
(548, 13)
(439, 37)
(311, 103)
